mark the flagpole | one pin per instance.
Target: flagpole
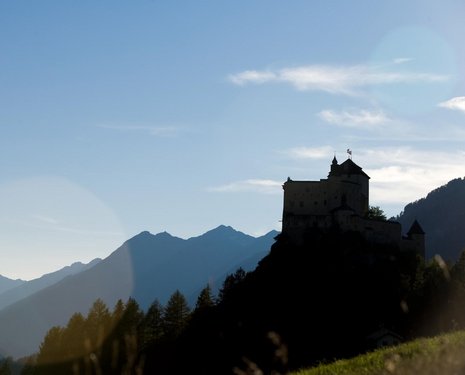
(349, 152)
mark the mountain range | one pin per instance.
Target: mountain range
(146, 267)
(7, 284)
(23, 289)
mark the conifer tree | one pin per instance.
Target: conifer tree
(205, 299)
(152, 324)
(73, 337)
(230, 282)
(97, 325)
(176, 315)
(126, 338)
(117, 313)
(50, 350)
(131, 318)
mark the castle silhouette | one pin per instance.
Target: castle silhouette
(342, 201)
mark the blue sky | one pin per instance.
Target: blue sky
(123, 116)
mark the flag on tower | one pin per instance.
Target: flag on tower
(349, 151)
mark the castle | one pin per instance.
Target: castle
(342, 201)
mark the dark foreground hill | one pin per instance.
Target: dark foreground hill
(442, 216)
(301, 305)
(145, 267)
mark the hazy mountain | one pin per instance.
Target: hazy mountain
(7, 284)
(145, 267)
(442, 216)
(25, 289)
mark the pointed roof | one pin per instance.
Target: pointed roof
(415, 229)
(346, 168)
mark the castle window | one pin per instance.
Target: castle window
(324, 202)
(315, 203)
(301, 203)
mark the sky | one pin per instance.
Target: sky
(123, 116)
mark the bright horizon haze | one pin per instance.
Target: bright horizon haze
(118, 117)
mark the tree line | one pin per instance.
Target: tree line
(116, 341)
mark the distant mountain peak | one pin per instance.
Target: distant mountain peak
(166, 236)
(147, 234)
(224, 228)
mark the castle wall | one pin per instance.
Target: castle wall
(322, 197)
(374, 231)
(304, 197)
(340, 200)
(382, 232)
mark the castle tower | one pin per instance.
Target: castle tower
(352, 183)
(417, 236)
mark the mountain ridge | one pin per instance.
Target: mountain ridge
(28, 288)
(6, 283)
(145, 267)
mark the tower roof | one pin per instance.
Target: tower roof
(415, 229)
(347, 168)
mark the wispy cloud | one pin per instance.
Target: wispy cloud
(457, 103)
(262, 186)
(252, 76)
(322, 152)
(45, 219)
(403, 175)
(156, 131)
(402, 60)
(347, 80)
(360, 118)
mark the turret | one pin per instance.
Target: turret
(417, 235)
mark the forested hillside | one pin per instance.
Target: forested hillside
(442, 216)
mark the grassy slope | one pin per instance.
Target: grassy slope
(438, 355)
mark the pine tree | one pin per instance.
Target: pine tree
(230, 282)
(205, 300)
(176, 315)
(97, 325)
(152, 324)
(50, 350)
(73, 337)
(117, 313)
